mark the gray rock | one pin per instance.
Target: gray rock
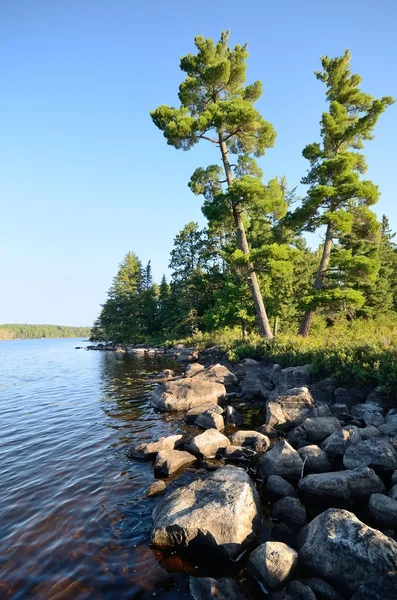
(193, 368)
(291, 408)
(183, 394)
(373, 418)
(389, 429)
(208, 512)
(166, 374)
(393, 492)
(384, 509)
(391, 416)
(253, 387)
(156, 488)
(210, 420)
(315, 460)
(212, 464)
(323, 391)
(281, 460)
(272, 564)
(290, 511)
(218, 374)
(369, 432)
(297, 590)
(187, 355)
(170, 461)
(232, 416)
(320, 428)
(207, 588)
(208, 444)
(350, 396)
(251, 438)
(147, 451)
(194, 412)
(277, 487)
(377, 453)
(383, 588)
(336, 444)
(359, 410)
(322, 589)
(297, 437)
(236, 453)
(293, 376)
(356, 484)
(269, 431)
(345, 551)
(394, 478)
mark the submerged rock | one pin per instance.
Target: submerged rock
(209, 512)
(272, 564)
(183, 394)
(345, 551)
(357, 484)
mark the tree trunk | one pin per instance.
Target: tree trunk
(275, 326)
(263, 321)
(321, 272)
(243, 330)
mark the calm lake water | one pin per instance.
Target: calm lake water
(74, 519)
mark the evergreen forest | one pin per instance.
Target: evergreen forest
(30, 332)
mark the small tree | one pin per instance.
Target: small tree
(336, 189)
(218, 108)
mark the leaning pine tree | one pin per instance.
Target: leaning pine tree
(217, 107)
(336, 190)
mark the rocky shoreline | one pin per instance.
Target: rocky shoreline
(321, 470)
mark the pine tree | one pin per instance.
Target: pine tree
(218, 108)
(336, 189)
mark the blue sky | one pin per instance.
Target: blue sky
(84, 174)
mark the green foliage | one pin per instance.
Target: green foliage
(30, 332)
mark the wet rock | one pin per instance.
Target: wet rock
(170, 461)
(207, 588)
(272, 564)
(382, 588)
(254, 439)
(183, 394)
(232, 416)
(336, 444)
(377, 453)
(373, 418)
(194, 412)
(320, 428)
(277, 487)
(193, 368)
(315, 460)
(322, 589)
(290, 511)
(281, 460)
(208, 444)
(147, 451)
(156, 488)
(297, 590)
(384, 509)
(344, 551)
(208, 512)
(357, 484)
(210, 420)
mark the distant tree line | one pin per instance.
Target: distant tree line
(25, 332)
(251, 266)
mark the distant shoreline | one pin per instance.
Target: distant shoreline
(11, 331)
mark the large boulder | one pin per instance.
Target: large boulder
(345, 551)
(384, 509)
(320, 428)
(272, 564)
(336, 444)
(292, 407)
(378, 588)
(315, 460)
(254, 439)
(293, 376)
(170, 461)
(222, 511)
(376, 453)
(357, 484)
(193, 368)
(183, 394)
(218, 374)
(207, 588)
(208, 444)
(281, 460)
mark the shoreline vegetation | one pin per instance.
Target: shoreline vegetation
(12, 331)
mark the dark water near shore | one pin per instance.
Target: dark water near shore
(74, 519)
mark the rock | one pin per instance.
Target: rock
(149, 450)
(281, 460)
(235, 452)
(232, 416)
(293, 377)
(290, 511)
(272, 564)
(322, 589)
(315, 460)
(193, 368)
(170, 461)
(297, 590)
(377, 453)
(166, 374)
(393, 492)
(212, 464)
(336, 444)
(359, 410)
(212, 356)
(369, 432)
(394, 478)
(384, 509)
(291, 408)
(391, 416)
(208, 444)
(373, 418)
(194, 412)
(251, 438)
(345, 551)
(209, 512)
(187, 355)
(389, 429)
(277, 487)
(323, 391)
(253, 387)
(383, 588)
(218, 374)
(156, 488)
(269, 431)
(357, 484)
(207, 588)
(350, 396)
(210, 420)
(320, 428)
(297, 437)
(183, 394)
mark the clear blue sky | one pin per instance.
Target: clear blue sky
(84, 174)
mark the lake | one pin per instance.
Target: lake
(75, 522)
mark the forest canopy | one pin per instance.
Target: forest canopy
(30, 332)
